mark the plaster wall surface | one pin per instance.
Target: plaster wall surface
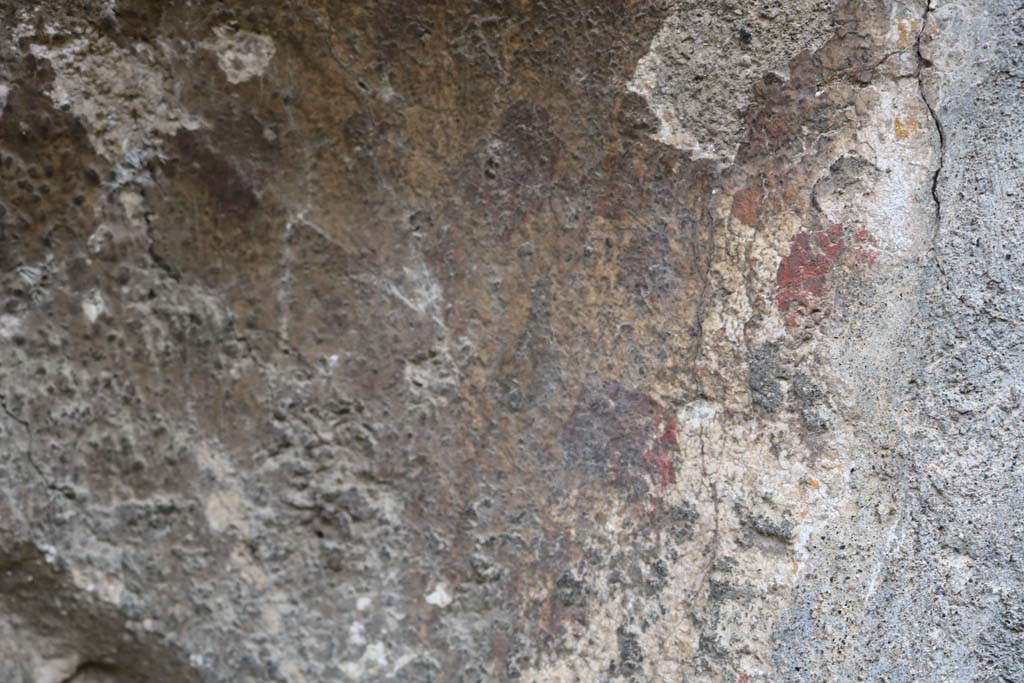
(511, 341)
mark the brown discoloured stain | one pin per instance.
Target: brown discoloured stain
(746, 204)
(49, 174)
(447, 265)
(908, 30)
(229, 191)
(906, 126)
(622, 436)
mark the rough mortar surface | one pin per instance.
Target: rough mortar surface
(633, 340)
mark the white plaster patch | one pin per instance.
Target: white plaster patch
(357, 634)
(120, 96)
(697, 413)
(242, 55)
(374, 660)
(430, 378)
(50, 553)
(418, 289)
(898, 211)
(225, 509)
(101, 238)
(440, 596)
(31, 275)
(25, 28)
(134, 205)
(9, 326)
(93, 306)
(107, 587)
(56, 669)
(271, 618)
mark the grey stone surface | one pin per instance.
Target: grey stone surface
(486, 341)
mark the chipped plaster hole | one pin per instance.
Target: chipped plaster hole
(699, 73)
(242, 55)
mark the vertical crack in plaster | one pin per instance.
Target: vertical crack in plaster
(922, 64)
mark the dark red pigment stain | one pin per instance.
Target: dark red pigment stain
(866, 253)
(623, 437)
(511, 175)
(803, 275)
(659, 457)
(233, 193)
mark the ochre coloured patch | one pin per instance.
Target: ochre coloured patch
(746, 205)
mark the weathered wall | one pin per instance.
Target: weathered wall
(480, 341)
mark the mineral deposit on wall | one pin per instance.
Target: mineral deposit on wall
(511, 340)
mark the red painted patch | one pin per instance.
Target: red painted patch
(670, 435)
(624, 437)
(867, 252)
(659, 457)
(661, 463)
(803, 275)
(605, 209)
